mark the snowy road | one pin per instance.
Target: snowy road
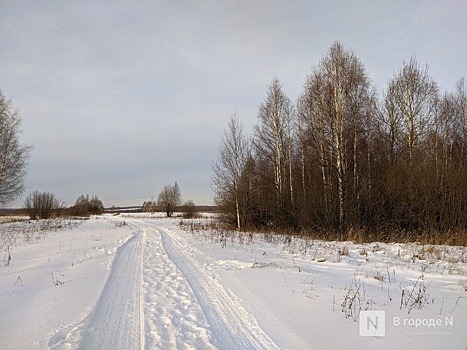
(158, 297)
(117, 319)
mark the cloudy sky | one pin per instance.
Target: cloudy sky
(119, 98)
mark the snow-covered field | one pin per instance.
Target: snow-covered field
(142, 281)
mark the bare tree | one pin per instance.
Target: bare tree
(335, 112)
(232, 156)
(169, 198)
(412, 118)
(13, 156)
(273, 144)
(414, 94)
(43, 205)
(447, 154)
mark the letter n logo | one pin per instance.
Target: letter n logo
(372, 323)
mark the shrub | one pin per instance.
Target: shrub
(189, 210)
(43, 205)
(85, 206)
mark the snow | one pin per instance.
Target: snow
(144, 282)
(117, 319)
(62, 274)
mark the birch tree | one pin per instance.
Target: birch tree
(414, 95)
(232, 157)
(273, 143)
(414, 102)
(13, 155)
(335, 111)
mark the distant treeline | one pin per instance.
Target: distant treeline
(346, 163)
(120, 209)
(189, 206)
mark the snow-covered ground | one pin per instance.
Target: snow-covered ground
(144, 282)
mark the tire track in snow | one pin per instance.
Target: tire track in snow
(184, 306)
(173, 317)
(232, 326)
(117, 321)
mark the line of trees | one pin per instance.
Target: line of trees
(45, 205)
(342, 159)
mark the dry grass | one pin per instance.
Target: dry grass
(442, 257)
(12, 218)
(457, 237)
